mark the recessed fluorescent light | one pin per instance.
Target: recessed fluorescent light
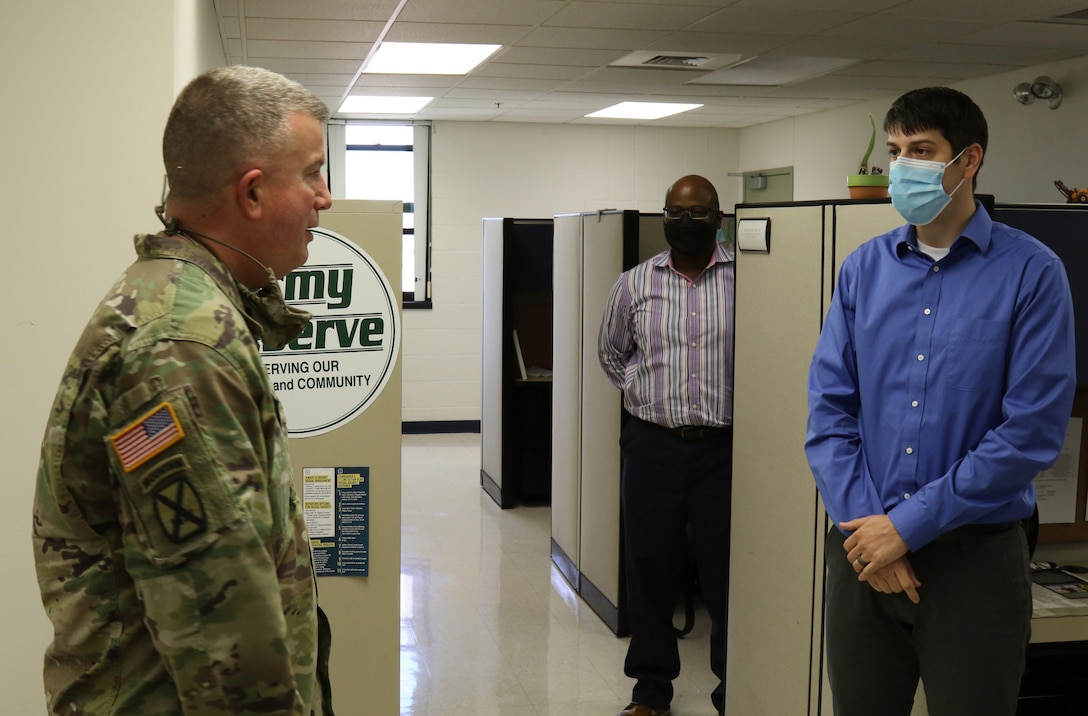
(643, 110)
(361, 104)
(427, 58)
(773, 70)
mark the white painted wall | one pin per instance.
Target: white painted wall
(86, 87)
(1030, 146)
(528, 171)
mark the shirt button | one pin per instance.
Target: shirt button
(936, 269)
(693, 375)
(927, 311)
(906, 495)
(910, 451)
(921, 357)
(693, 314)
(693, 344)
(914, 403)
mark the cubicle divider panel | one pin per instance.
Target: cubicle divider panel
(854, 224)
(491, 417)
(774, 663)
(601, 552)
(567, 396)
(364, 610)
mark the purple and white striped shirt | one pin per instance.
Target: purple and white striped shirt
(667, 342)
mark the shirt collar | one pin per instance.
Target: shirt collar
(977, 231)
(721, 255)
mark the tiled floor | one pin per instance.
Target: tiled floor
(488, 624)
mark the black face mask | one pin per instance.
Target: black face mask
(690, 237)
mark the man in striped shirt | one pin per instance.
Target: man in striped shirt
(666, 341)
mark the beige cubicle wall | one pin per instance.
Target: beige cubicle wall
(364, 611)
(566, 394)
(775, 641)
(591, 250)
(491, 356)
(586, 414)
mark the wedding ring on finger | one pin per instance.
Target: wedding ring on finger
(861, 562)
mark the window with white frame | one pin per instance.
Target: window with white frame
(376, 160)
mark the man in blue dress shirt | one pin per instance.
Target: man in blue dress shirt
(941, 385)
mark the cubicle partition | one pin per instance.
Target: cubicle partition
(591, 251)
(774, 659)
(516, 357)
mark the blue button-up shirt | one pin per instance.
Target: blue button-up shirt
(938, 390)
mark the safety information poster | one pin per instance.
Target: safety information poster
(336, 505)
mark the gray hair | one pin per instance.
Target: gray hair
(225, 121)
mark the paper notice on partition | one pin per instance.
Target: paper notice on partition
(1056, 488)
(336, 506)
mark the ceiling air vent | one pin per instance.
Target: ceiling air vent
(686, 61)
(677, 61)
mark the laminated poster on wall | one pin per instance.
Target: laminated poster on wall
(336, 505)
(343, 359)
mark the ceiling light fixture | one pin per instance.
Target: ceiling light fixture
(1042, 88)
(427, 58)
(642, 110)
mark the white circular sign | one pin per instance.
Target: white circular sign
(341, 362)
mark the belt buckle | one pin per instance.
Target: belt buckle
(690, 432)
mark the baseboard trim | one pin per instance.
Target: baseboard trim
(609, 613)
(434, 427)
(566, 566)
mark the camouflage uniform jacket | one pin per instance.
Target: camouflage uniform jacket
(169, 542)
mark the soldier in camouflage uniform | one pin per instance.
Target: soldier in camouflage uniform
(170, 546)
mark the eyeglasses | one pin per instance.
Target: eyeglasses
(698, 213)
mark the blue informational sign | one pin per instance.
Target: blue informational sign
(336, 504)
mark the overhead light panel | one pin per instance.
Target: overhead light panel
(643, 110)
(774, 70)
(369, 104)
(427, 58)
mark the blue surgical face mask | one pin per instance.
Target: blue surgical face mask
(916, 187)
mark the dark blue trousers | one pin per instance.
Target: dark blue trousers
(667, 483)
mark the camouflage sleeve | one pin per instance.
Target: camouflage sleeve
(207, 535)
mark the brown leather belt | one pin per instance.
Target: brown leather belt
(693, 432)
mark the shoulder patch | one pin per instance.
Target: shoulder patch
(147, 437)
(180, 510)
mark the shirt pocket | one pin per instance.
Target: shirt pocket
(977, 355)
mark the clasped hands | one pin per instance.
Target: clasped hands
(878, 555)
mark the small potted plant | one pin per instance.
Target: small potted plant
(868, 183)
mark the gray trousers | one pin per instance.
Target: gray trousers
(965, 640)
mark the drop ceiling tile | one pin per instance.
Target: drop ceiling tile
(633, 17)
(525, 71)
(484, 12)
(374, 10)
(557, 56)
(460, 33)
(309, 49)
(786, 22)
(316, 30)
(593, 39)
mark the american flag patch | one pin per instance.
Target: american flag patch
(147, 437)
